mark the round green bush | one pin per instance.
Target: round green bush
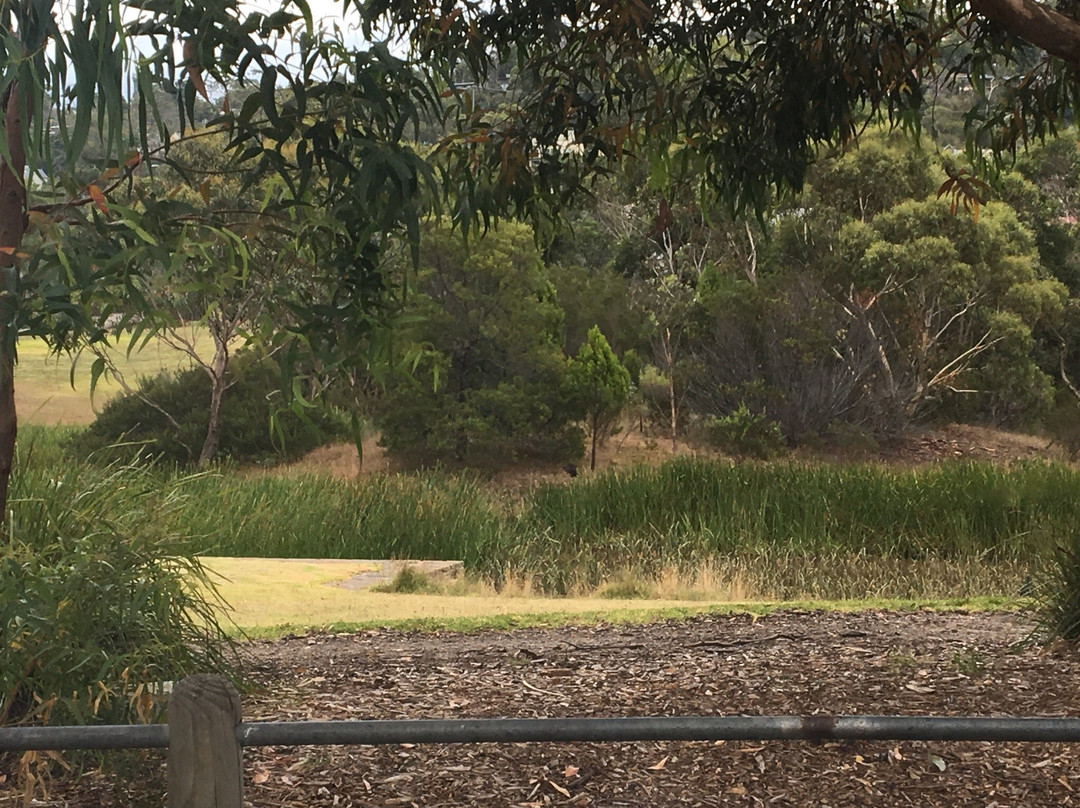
(140, 420)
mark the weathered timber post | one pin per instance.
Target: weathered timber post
(205, 768)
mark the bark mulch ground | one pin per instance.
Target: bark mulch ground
(918, 663)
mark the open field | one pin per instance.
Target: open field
(43, 382)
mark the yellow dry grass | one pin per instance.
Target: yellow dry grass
(43, 382)
(272, 597)
(268, 592)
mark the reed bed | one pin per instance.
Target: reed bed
(763, 530)
(425, 516)
(952, 530)
(772, 576)
(688, 513)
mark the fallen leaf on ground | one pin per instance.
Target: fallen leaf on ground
(559, 788)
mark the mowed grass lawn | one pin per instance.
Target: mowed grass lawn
(272, 596)
(266, 597)
(43, 382)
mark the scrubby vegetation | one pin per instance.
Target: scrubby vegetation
(165, 418)
(489, 389)
(854, 310)
(103, 600)
(850, 312)
(635, 145)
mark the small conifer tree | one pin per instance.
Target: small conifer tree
(599, 386)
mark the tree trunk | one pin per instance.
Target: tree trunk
(669, 360)
(592, 458)
(217, 395)
(12, 228)
(1041, 25)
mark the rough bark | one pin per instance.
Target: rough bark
(595, 430)
(1036, 23)
(12, 229)
(218, 384)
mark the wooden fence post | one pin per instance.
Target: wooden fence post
(205, 768)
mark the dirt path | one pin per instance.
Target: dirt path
(789, 663)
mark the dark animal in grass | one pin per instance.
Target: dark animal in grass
(570, 469)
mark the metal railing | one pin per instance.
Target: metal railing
(205, 735)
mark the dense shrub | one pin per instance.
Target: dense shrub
(1056, 595)
(177, 436)
(489, 389)
(745, 433)
(480, 428)
(101, 604)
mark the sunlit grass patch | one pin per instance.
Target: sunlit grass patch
(304, 594)
(628, 612)
(270, 597)
(43, 381)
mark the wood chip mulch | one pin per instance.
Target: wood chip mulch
(797, 663)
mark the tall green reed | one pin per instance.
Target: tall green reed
(681, 514)
(101, 601)
(421, 516)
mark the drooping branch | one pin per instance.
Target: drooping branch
(1036, 23)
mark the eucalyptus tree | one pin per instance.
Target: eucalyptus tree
(233, 267)
(752, 90)
(329, 119)
(749, 90)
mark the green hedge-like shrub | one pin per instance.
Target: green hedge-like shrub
(482, 428)
(246, 434)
